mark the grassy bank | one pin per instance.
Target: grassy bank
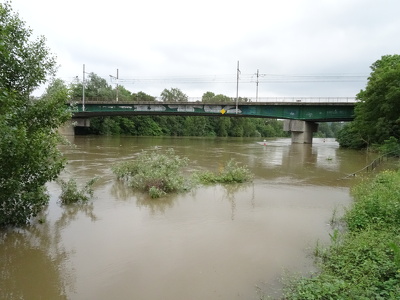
(363, 260)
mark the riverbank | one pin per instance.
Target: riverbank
(363, 260)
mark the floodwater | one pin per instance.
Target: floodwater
(216, 242)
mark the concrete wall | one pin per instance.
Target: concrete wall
(69, 127)
(301, 131)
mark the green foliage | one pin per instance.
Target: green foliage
(349, 137)
(70, 193)
(378, 110)
(142, 97)
(24, 63)
(210, 97)
(97, 87)
(377, 203)
(28, 146)
(364, 261)
(161, 173)
(390, 146)
(154, 172)
(329, 130)
(173, 95)
(232, 173)
(187, 126)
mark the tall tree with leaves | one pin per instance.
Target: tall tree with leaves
(28, 144)
(377, 114)
(173, 95)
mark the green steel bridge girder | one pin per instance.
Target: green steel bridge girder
(315, 112)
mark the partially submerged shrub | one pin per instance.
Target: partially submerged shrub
(155, 172)
(70, 193)
(232, 173)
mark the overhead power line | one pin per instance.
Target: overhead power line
(246, 78)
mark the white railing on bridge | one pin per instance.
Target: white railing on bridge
(289, 99)
(253, 99)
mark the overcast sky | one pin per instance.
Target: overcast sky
(300, 47)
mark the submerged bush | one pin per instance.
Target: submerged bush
(161, 173)
(70, 193)
(155, 172)
(232, 173)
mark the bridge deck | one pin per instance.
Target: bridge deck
(317, 111)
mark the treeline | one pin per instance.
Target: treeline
(186, 126)
(97, 88)
(196, 126)
(377, 111)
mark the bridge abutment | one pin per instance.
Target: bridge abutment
(301, 131)
(68, 127)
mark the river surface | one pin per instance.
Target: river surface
(216, 242)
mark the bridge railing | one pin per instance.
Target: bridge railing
(251, 99)
(286, 99)
(306, 99)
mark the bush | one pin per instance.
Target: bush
(155, 172)
(390, 147)
(70, 192)
(364, 261)
(377, 203)
(232, 173)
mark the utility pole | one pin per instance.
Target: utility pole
(116, 78)
(117, 85)
(257, 86)
(83, 89)
(237, 86)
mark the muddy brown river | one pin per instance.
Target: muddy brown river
(216, 242)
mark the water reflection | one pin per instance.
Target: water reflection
(216, 242)
(232, 191)
(70, 213)
(32, 264)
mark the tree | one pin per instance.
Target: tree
(24, 64)
(377, 114)
(29, 156)
(210, 97)
(143, 97)
(173, 95)
(123, 94)
(349, 137)
(97, 87)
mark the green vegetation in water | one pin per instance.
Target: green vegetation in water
(155, 172)
(232, 173)
(362, 262)
(161, 173)
(70, 192)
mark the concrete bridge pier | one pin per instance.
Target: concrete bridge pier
(69, 127)
(301, 131)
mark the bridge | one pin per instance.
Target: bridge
(300, 114)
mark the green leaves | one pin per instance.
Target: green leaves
(24, 63)
(71, 193)
(379, 105)
(377, 112)
(173, 95)
(28, 144)
(231, 173)
(160, 173)
(364, 261)
(154, 172)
